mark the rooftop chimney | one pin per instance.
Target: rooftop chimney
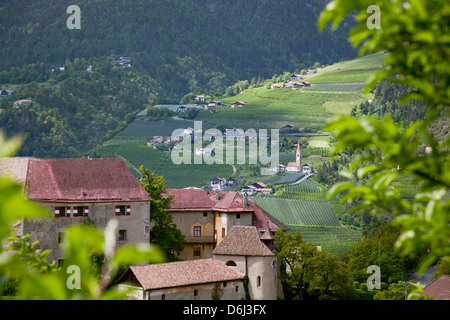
(245, 199)
(217, 195)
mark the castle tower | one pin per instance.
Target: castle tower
(298, 157)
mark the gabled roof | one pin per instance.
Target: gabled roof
(242, 241)
(80, 180)
(439, 288)
(180, 273)
(195, 200)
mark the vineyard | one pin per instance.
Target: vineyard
(315, 219)
(295, 212)
(136, 153)
(331, 239)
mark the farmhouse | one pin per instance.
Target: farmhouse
(6, 93)
(77, 190)
(205, 218)
(239, 104)
(200, 98)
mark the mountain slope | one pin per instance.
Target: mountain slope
(185, 45)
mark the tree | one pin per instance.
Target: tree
(415, 36)
(377, 247)
(164, 232)
(330, 278)
(296, 254)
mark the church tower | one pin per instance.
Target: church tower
(298, 158)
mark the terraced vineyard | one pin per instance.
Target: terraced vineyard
(315, 219)
(295, 212)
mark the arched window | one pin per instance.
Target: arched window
(231, 263)
(258, 281)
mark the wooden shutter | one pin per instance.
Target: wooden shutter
(67, 211)
(75, 211)
(117, 210)
(86, 211)
(128, 210)
(56, 212)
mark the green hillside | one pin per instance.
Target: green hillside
(185, 45)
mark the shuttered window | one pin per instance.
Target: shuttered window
(123, 210)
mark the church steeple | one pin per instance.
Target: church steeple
(298, 156)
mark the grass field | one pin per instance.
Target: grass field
(353, 71)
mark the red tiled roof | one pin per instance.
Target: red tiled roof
(182, 273)
(242, 241)
(439, 288)
(194, 200)
(80, 180)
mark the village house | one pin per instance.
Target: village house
(125, 61)
(205, 217)
(275, 86)
(255, 188)
(79, 190)
(204, 151)
(296, 77)
(6, 93)
(200, 98)
(218, 183)
(239, 104)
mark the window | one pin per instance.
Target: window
(196, 252)
(231, 263)
(238, 215)
(123, 210)
(197, 231)
(122, 235)
(195, 293)
(163, 297)
(62, 211)
(223, 232)
(258, 281)
(237, 289)
(205, 213)
(61, 237)
(80, 211)
(225, 284)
